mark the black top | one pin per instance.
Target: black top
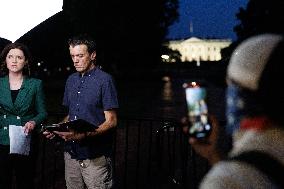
(14, 94)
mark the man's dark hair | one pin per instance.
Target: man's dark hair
(83, 39)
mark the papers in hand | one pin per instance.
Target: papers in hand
(19, 141)
(78, 125)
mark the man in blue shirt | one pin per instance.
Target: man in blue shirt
(90, 95)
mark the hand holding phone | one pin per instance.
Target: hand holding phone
(200, 126)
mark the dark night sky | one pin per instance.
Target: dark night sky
(209, 18)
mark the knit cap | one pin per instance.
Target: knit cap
(250, 58)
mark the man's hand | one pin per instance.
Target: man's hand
(48, 135)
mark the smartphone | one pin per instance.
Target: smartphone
(197, 109)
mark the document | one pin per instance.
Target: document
(19, 141)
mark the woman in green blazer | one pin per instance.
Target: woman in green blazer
(22, 104)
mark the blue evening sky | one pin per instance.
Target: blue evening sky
(208, 18)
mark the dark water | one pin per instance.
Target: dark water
(163, 99)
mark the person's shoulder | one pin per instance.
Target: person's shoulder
(72, 76)
(102, 74)
(220, 176)
(223, 175)
(34, 80)
(4, 78)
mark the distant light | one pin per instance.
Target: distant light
(59, 69)
(68, 68)
(45, 69)
(191, 84)
(166, 78)
(207, 127)
(38, 64)
(198, 63)
(165, 56)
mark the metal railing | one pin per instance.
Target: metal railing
(148, 153)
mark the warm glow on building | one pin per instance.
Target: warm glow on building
(194, 49)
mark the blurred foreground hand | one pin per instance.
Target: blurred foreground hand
(205, 147)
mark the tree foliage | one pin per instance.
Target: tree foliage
(3, 43)
(129, 33)
(260, 16)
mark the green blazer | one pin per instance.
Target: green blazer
(28, 106)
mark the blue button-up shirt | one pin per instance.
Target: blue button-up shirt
(87, 97)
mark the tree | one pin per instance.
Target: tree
(129, 33)
(260, 16)
(3, 43)
(173, 55)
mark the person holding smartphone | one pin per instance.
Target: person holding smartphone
(254, 119)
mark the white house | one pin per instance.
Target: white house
(195, 49)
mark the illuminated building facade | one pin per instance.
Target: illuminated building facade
(195, 49)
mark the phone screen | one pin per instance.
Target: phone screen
(197, 110)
